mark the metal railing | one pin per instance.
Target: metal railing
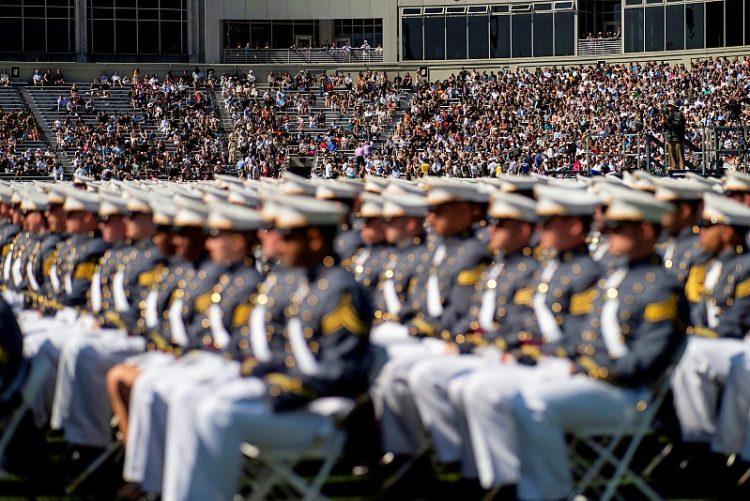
(301, 56)
(599, 46)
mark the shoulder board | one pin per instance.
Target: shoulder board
(85, 271)
(472, 276)
(241, 315)
(149, 278)
(583, 302)
(524, 296)
(659, 312)
(743, 289)
(695, 281)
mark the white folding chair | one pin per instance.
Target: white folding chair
(275, 469)
(631, 431)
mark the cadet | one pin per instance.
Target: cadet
(722, 320)
(368, 262)
(322, 349)
(40, 261)
(404, 217)
(75, 262)
(349, 240)
(535, 327)
(736, 185)
(220, 314)
(438, 295)
(681, 252)
(481, 333)
(626, 342)
(158, 302)
(81, 406)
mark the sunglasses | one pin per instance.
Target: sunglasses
(621, 225)
(707, 223)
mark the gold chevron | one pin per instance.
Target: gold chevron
(344, 317)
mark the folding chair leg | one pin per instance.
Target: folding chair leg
(35, 379)
(335, 447)
(110, 450)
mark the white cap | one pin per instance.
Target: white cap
(556, 201)
(512, 206)
(723, 210)
(404, 205)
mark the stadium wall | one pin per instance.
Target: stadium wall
(82, 72)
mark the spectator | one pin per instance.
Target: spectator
(674, 135)
(59, 79)
(116, 79)
(4, 78)
(37, 78)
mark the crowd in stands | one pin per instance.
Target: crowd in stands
(172, 131)
(16, 129)
(549, 120)
(475, 123)
(326, 116)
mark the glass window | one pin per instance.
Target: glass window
(479, 44)
(434, 38)
(171, 38)
(456, 34)
(148, 37)
(734, 22)
(411, 36)
(102, 39)
(412, 11)
(127, 14)
(477, 9)
(260, 33)
(150, 14)
(500, 8)
(633, 31)
(694, 25)
(675, 27)
(747, 21)
(500, 36)
(543, 6)
(237, 34)
(521, 46)
(283, 34)
(543, 34)
(126, 36)
(714, 23)
(633, 2)
(433, 10)
(10, 35)
(563, 5)
(564, 28)
(455, 10)
(654, 29)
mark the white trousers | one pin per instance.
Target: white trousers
(42, 339)
(697, 381)
(436, 385)
(81, 405)
(204, 461)
(487, 399)
(733, 424)
(149, 408)
(401, 426)
(545, 412)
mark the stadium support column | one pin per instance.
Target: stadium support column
(81, 27)
(195, 32)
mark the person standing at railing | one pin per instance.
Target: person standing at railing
(673, 122)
